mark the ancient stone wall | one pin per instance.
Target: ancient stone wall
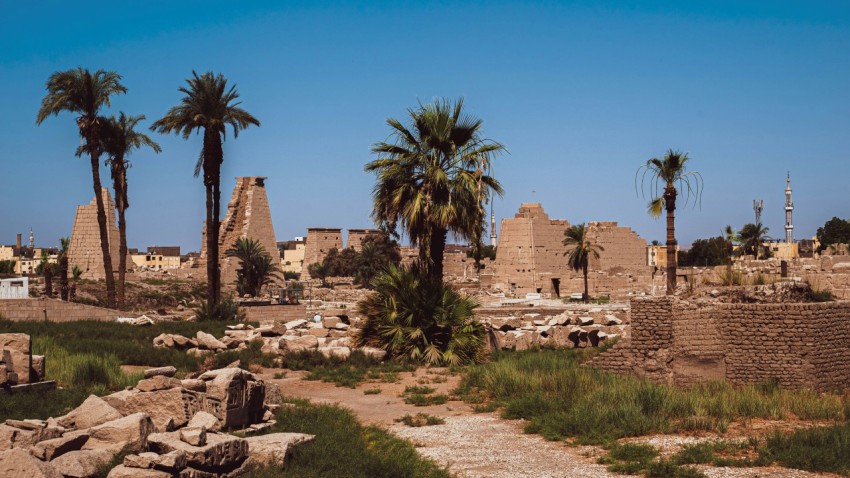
(622, 248)
(320, 240)
(356, 236)
(801, 345)
(53, 310)
(248, 216)
(84, 251)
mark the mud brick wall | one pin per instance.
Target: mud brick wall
(53, 310)
(801, 345)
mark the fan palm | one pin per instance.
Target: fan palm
(663, 176)
(580, 248)
(752, 236)
(211, 106)
(82, 92)
(409, 315)
(434, 179)
(118, 139)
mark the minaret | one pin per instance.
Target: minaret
(789, 208)
(492, 228)
(32, 240)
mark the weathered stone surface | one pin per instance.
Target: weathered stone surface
(373, 353)
(142, 460)
(274, 448)
(506, 323)
(81, 463)
(208, 341)
(19, 463)
(330, 322)
(205, 420)
(585, 321)
(20, 342)
(194, 384)
(131, 432)
(294, 324)
(273, 395)
(224, 451)
(168, 371)
(122, 471)
(172, 461)
(50, 449)
(194, 436)
(338, 353)
(37, 368)
(298, 344)
(92, 412)
(158, 382)
(19, 364)
(160, 405)
(612, 320)
(317, 332)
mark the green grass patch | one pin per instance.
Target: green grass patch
(824, 449)
(560, 398)
(419, 400)
(420, 390)
(420, 420)
(344, 447)
(640, 459)
(357, 369)
(372, 391)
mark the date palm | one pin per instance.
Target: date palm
(434, 178)
(256, 266)
(118, 139)
(64, 245)
(580, 248)
(660, 178)
(84, 93)
(752, 236)
(208, 105)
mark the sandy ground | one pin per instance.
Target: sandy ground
(480, 444)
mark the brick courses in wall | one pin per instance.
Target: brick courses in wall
(53, 310)
(320, 240)
(801, 345)
(84, 251)
(356, 236)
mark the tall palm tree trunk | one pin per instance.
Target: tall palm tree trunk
(670, 204)
(101, 223)
(586, 296)
(122, 245)
(63, 276)
(213, 156)
(437, 248)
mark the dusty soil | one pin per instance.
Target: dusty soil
(480, 444)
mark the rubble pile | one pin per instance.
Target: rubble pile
(571, 329)
(330, 336)
(172, 427)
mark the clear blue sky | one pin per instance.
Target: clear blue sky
(581, 93)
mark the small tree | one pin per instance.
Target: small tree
(257, 268)
(835, 231)
(321, 271)
(580, 249)
(752, 237)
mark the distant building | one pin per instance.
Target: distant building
(158, 258)
(292, 255)
(657, 255)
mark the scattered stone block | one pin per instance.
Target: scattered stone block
(168, 371)
(274, 448)
(81, 463)
(19, 463)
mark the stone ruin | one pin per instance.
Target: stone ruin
(172, 427)
(531, 259)
(248, 216)
(18, 366)
(84, 250)
(320, 240)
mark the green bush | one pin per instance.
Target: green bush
(824, 449)
(227, 310)
(411, 316)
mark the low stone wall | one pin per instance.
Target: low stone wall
(802, 345)
(53, 310)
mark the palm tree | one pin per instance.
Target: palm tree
(431, 180)
(730, 238)
(81, 92)
(580, 250)
(663, 176)
(257, 266)
(321, 271)
(409, 315)
(64, 245)
(752, 236)
(118, 139)
(211, 106)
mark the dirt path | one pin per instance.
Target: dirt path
(472, 444)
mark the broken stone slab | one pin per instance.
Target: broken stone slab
(561, 319)
(27, 424)
(220, 451)
(18, 364)
(164, 340)
(168, 371)
(122, 471)
(612, 320)
(19, 463)
(330, 322)
(505, 323)
(274, 448)
(161, 405)
(142, 460)
(37, 369)
(50, 449)
(208, 341)
(81, 463)
(373, 353)
(158, 382)
(273, 395)
(294, 324)
(182, 342)
(585, 320)
(337, 353)
(194, 436)
(204, 419)
(298, 344)
(130, 433)
(317, 332)
(194, 384)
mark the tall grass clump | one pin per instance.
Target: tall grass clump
(560, 398)
(730, 276)
(358, 451)
(823, 449)
(226, 310)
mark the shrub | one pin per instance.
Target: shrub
(411, 316)
(814, 449)
(420, 420)
(227, 310)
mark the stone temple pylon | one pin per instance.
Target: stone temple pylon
(248, 215)
(84, 251)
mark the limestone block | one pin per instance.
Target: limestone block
(161, 405)
(50, 449)
(274, 448)
(208, 341)
(168, 371)
(373, 353)
(37, 369)
(19, 463)
(158, 382)
(131, 432)
(81, 463)
(122, 471)
(205, 420)
(220, 450)
(338, 353)
(289, 344)
(195, 436)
